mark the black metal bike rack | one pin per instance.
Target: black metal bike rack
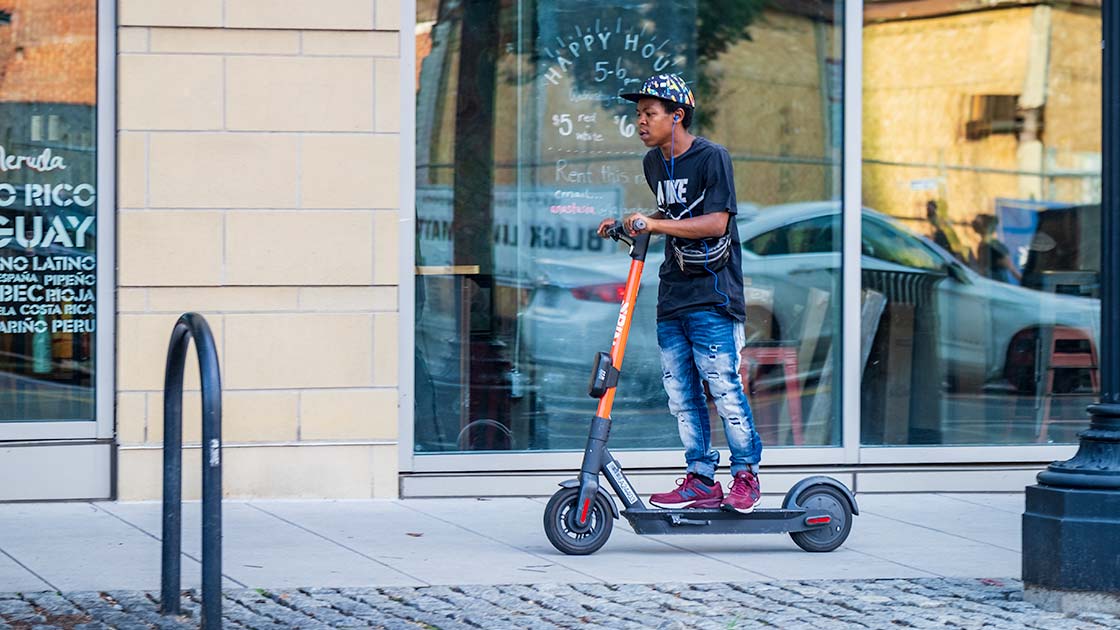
(192, 325)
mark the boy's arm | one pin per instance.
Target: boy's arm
(606, 223)
(708, 225)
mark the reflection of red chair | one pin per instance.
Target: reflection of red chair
(1059, 357)
(783, 353)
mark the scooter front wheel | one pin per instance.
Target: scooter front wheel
(560, 518)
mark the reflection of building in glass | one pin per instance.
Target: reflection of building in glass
(48, 79)
(771, 93)
(965, 103)
(779, 100)
(532, 157)
(48, 88)
(48, 51)
(981, 130)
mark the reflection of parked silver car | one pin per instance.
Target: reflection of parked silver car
(788, 251)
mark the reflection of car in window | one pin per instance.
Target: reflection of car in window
(812, 236)
(890, 244)
(788, 252)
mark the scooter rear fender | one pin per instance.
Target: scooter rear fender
(574, 483)
(794, 493)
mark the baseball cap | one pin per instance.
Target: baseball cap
(668, 87)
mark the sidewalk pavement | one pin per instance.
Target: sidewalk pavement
(911, 559)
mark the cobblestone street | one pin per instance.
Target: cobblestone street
(790, 605)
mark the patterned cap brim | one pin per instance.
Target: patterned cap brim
(667, 87)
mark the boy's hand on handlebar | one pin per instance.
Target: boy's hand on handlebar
(631, 226)
(639, 224)
(605, 225)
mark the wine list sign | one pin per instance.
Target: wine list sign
(48, 265)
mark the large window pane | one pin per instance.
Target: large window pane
(981, 247)
(523, 147)
(48, 205)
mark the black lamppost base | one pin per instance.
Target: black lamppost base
(1071, 549)
(1071, 527)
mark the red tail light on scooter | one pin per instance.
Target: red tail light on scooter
(613, 292)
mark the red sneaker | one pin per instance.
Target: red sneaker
(744, 494)
(690, 493)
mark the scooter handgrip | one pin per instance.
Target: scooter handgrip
(639, 225)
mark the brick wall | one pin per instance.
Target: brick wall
(258, 184)
(919, 76)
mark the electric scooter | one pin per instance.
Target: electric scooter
(817, 512)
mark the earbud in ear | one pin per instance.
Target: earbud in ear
(676, 118)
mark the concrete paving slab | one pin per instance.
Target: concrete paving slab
(923, 549)
(259, 549)
(14, 578)
(75, 545)
(977, 522)
(905, 543)
(776, 556)
(428, 548)
(1014, 503)
(626, 558)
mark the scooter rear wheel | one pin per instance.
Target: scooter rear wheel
(829, 500)
(560, 523)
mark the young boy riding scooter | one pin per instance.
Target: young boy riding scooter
(700, 309)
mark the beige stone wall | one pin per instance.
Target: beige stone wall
(258, 184)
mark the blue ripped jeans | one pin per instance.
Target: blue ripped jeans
(705, 345)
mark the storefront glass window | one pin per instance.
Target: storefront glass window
(523, 147)
(48, 205)
(981, 246)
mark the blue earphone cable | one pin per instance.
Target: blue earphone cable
(671, 165)
(715, 277)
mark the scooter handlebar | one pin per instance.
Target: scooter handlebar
(617, 231)
(638, 244)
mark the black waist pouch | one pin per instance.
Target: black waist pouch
(698, 257)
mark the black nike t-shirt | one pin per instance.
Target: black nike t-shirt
(697, 182)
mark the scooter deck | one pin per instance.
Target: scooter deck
(718, 521)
